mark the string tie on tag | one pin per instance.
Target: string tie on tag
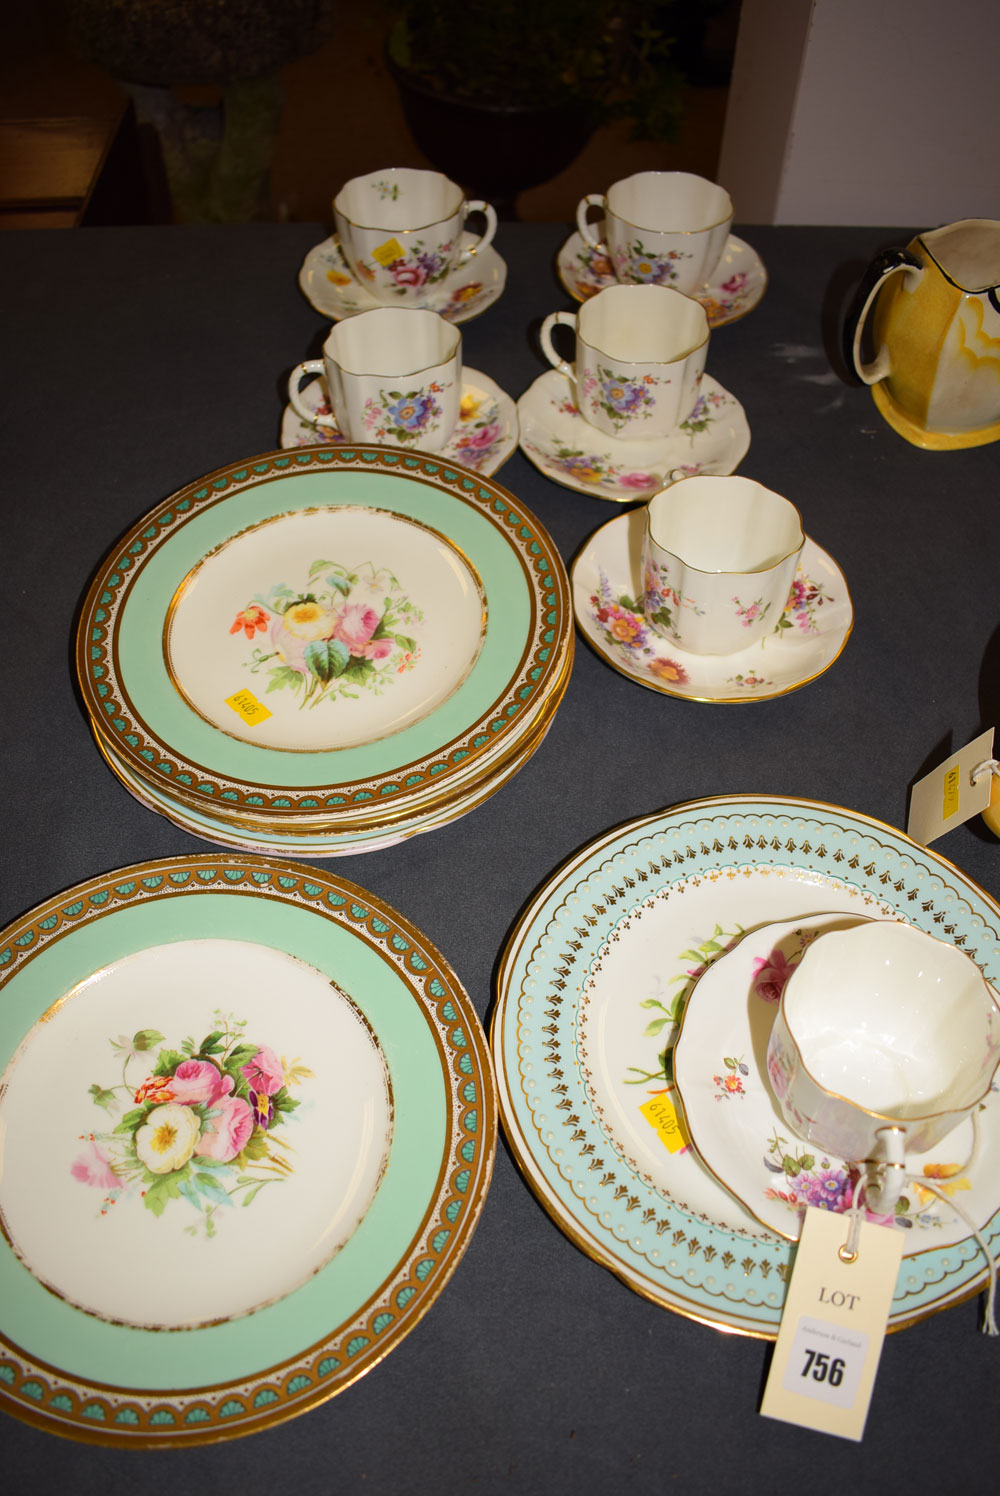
(849, 1251)
(987, 766)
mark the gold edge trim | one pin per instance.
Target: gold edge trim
(556, 572)
(274, 519)
(459, 1234)
(560, 879)
(663, 689)
(495, 773)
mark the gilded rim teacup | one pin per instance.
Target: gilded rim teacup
(665, 228)
(400, 231)
(394, 374)
(640, 354)
(719, 556)
(886, 1038)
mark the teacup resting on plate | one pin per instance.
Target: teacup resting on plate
(640, 354)
(885, 1040)
(393, 374)
(664, 228)
(400, 231)
(719, 557)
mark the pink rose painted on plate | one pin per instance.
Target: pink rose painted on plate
(347, 630)
(198, 1127)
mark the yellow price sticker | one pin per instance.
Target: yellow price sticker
(388, 252)
(246, 705)
(663, 1118)
(951, 792)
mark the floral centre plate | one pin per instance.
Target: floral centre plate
(350, 623)
(345, 649)
(284, 1185)
(193, 1134)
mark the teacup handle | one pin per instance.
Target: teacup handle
(311, 366)
(486, 238)
(889, 1164)
(889, 262)
(592, 200)
(556, 319)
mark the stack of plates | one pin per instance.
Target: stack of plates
(326, 652)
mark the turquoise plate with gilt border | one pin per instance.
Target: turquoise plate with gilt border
(590, 992)
(452, 522)
(143, 1068)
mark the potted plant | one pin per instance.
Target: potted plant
(503, 96)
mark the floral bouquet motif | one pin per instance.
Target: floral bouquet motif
(624, 627)
(479, 431)
(341, 635)
(419, 266)
(637, 263)
(403, 416)
(199, 1127)
(661, 598)
(623, 400)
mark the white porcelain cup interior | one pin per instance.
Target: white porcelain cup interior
(401, 231)
(398, 199)
(664, 227)
(719, 559)
(640, 353)
(392, 374)
(391, 342)
(894, 1021)
(642, 324)
(886, 1039)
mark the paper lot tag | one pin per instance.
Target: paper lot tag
(948, 795)
(833, 1325)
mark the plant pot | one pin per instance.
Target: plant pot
(493, 151)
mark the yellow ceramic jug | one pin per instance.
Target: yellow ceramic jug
(936, 325)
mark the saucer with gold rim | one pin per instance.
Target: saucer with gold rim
(607, 601)
(329, 286)
(737, 285)
(714, 438)
(484, 438)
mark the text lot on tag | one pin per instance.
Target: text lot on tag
(827, 1353)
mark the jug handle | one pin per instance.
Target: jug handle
(889, 262)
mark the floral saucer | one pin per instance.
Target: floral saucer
(736, 287)
(809, 637)
(331, 288)
(554, 435)
(484, 438)
(735, 1126)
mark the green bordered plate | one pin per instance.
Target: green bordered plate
(591, 989)
(248, 1124)
(324, 634)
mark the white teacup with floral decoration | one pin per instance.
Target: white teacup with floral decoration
(393, 374)
(886, 1038)
(719, 557)
(400, 231)
(640, 354)
(667, 228)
